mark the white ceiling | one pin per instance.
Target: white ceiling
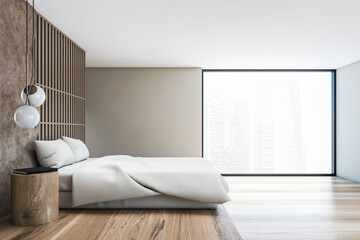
(243, 34)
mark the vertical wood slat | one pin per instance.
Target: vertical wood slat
(59, 81)
(55, 83)
(43, 71)
(40, 39)
(76, 73)
(53, 132)
(76, 88)
(46, 77)
(57, 112)
(62, 81)
(71, 85)
(68, 105)
(50, 79)
(83, 90)
(60, 71)
(82, 82)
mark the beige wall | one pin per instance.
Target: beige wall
(149, 112)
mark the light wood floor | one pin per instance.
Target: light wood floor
(265, 208)
(129, 224)
(290, 208)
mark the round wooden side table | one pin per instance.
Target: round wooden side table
(34, 198)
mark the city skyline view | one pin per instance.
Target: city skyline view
(268, 122)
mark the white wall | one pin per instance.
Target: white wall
(149, 112)
(348, 122)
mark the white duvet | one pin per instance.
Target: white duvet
(121, 177)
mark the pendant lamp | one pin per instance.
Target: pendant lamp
(36, 95)
(27, 117)
(32, 96)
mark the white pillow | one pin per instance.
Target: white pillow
(53, 153)
(78, 148)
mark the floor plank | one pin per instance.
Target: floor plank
(295, 207)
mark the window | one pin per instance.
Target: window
(268, 122)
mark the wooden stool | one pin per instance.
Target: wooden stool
(34, 198)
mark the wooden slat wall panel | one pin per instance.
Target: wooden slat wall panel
(60, 71)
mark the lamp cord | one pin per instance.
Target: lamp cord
(26, 67)
(33, 47)
(29, 86)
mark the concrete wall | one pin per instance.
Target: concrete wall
(148, 112)
(15, 142)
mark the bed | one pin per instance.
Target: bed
(122, 181)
